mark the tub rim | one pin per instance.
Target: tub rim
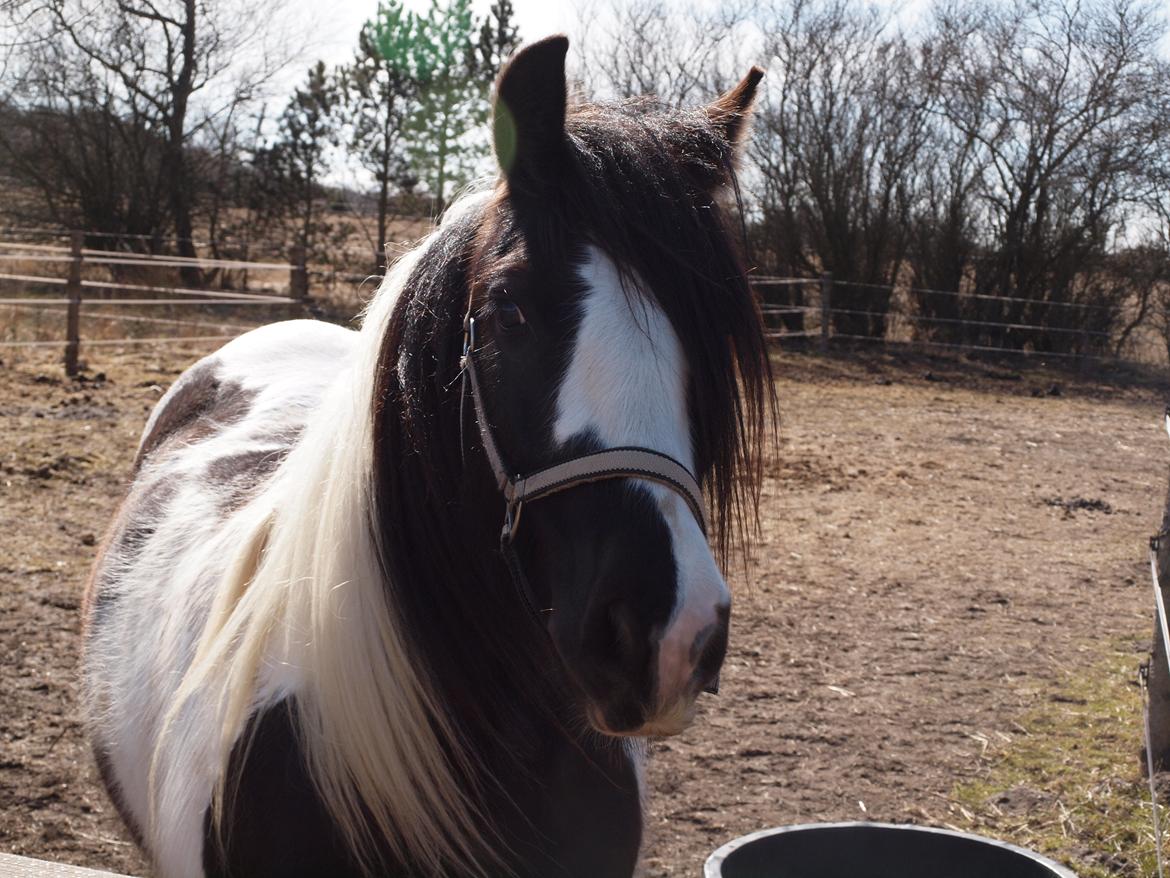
(713, 868)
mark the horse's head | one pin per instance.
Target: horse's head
(610, 311)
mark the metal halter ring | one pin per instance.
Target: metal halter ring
(512, 519)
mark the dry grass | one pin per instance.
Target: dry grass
(924, 632)
(1069, 783)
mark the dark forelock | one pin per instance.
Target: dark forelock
(651, 187)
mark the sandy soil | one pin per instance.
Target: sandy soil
(925, 576)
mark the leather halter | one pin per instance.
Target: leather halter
(611, 463)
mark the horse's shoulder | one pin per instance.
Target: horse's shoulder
(193, 396)
(222, 388)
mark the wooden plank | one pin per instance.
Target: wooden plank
(23, 867)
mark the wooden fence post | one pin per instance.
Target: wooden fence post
(826, 309)
(73, 311)
(298, 280)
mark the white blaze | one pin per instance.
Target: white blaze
(626, 384)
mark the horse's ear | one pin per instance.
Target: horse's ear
(528, 115)
(730, 112)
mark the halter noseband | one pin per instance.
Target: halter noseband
(612, 463)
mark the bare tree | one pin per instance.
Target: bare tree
(162, 69)
(93, 168)
(681, 53)
(1154, 254)
(838, 138)
(295, 162)
(1058, 100)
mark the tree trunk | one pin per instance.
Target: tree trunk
(383, 210)
(384, 190)
(182, 198)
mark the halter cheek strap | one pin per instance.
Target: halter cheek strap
(612, 463)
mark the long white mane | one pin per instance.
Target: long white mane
(304, 598)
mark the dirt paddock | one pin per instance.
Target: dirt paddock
(943, 545)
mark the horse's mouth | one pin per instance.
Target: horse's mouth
(670, 720)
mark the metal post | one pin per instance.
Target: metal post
(1158, 707)
(826, 308)
(1085, 356)
(73, 312)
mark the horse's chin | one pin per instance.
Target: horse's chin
(673, 720)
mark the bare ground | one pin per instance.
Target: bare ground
(925, 576)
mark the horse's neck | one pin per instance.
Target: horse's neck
(564, 799)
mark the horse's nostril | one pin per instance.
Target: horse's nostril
(707, 652)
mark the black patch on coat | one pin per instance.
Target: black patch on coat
(200, 405)
(577, 815)
(106, 772)
(275, 822)
(243, 474)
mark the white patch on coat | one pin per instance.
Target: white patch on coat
(299, 376)
(156, 603)
(626, 384)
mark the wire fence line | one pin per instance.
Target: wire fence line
(35, 279)
(105, 342)
(795, 309)
(234, 303)
(768, 281)
(141, 261)
(806, 309)
(184, 291)
(1089, 306)
(802, 308)
(292, 298)
(58, 308)
(296, 255)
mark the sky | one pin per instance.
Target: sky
(335, 25)
(332, 26)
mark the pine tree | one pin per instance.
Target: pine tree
(452, 108)
(301, 152)
(380, 91)
(499, 37)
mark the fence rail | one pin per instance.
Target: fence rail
(76, 257)
(811, 311)
(794, 308)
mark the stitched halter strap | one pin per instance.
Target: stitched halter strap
(611, 463)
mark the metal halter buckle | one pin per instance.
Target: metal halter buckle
(468, 333)
(512, 519)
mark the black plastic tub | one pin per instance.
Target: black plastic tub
(874, 850)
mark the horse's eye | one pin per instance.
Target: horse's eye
(508, 314)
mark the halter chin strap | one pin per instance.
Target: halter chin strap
(612, 463)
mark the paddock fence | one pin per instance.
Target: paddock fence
(112, 283)
(112, 295)
(803, 312)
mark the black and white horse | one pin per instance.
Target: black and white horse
(308, 648)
